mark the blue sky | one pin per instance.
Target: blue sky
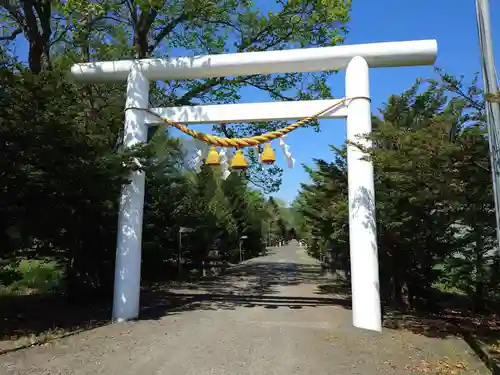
(451, 22)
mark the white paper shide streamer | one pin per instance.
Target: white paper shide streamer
(196, 157)
(259, 158)
(286, 151)
(224, 155)
(198, 152)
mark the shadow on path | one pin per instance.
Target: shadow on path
(256, 283)
(249, 285)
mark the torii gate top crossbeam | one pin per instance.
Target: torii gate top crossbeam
(390, 54)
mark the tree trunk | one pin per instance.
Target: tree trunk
(398, 280)
(479, 284)
(39, 48)
(35, 55)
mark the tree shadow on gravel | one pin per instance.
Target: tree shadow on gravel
(334, 288)
(480, 331)
(38, 318)
(258, 285)
(454, 318)
(28, 319)
(249, 285)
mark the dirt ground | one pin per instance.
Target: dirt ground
(276, 314)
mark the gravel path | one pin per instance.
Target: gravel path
(266, 317)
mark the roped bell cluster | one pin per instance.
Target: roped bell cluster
(239, 161)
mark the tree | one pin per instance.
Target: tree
(101, 30)
(63, 145)
(434, 202)
(59, 177)
(323, 205)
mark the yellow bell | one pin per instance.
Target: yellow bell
(267, 156)
(213, 157)
(239, 161)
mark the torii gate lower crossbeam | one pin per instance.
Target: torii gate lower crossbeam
(355, 59)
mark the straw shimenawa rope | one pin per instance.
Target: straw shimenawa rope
(245, 142)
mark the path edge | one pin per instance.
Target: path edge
(480, 348)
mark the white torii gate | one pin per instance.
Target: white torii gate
(355, 59)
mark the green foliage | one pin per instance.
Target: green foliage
(63, 163)
(435, 213)
(69, 163)
(59, 174)
(109, 29)
(30, 276)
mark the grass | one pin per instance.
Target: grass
(449, 289)
(30, 277)
(20, 282)
(33, 309)
(29, 287)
